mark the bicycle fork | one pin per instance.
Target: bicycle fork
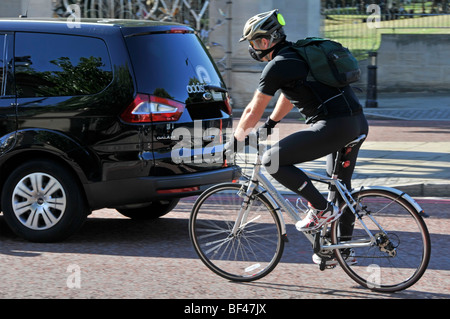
(247, 203)
(241, 219)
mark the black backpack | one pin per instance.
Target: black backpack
(329, 62)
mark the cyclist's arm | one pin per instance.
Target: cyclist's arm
(282, 108)
(252, 114)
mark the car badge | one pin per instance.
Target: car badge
(207, 96)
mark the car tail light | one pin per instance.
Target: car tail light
(179, 30)
(148, 108)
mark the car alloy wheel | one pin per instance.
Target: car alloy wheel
(39, 201)
(42, 201)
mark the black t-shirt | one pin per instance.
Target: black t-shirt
(288, 72)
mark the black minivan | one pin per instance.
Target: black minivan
(123, 114)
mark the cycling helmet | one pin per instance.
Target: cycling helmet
(263, 24)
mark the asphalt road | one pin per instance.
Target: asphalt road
(115, 257)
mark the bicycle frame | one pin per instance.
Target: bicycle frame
(280, 204)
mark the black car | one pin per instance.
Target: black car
(123, 114)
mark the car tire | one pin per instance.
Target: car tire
(155, 210)
(42, 202)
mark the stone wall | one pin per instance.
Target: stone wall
(412, 63)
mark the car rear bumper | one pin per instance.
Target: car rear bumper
(146, 189)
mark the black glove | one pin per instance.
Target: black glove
(234, 146)
(266, 129)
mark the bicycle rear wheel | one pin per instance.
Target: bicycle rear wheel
(250, 254)
(402, 250)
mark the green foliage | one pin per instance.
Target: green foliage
(354, 32)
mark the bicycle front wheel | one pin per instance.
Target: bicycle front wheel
(401, 251)
(249, 254)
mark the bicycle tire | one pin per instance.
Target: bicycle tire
(250, 255)
(399, 259)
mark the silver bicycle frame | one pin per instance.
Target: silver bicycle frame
(281, 204)
(259, 184)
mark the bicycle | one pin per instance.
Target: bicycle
(239, 233)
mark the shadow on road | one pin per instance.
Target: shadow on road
(343, 293)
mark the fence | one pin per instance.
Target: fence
(359, 26)
(191, 12)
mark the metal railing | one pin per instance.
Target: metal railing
(191, 12)
(360, 27)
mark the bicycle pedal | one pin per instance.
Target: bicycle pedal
(323, 262)
(323, 266)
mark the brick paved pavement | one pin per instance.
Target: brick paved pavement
(411, 106)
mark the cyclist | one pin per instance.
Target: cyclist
(334, 123)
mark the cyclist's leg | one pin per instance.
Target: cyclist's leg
(296, 148)
(319, 140)
(345, 174)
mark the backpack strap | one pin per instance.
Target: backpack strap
(309, 76)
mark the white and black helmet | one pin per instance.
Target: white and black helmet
(262, 25)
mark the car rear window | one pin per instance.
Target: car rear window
(171, 65)
(60, 65)
(2, 58)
